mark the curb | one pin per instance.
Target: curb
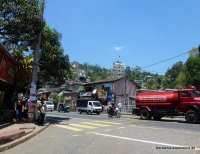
(22, 139)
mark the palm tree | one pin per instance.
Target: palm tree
(24, 69)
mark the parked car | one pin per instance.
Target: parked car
(49, 106)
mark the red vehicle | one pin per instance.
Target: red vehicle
(158, 104)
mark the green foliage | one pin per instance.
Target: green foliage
(19, 21)
(20, 25)
(95, 72)
(55, 99)
(173, 73)
(52, 60)
(193, 70)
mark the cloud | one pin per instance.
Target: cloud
(118, 48)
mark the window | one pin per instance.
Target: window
(185, 94)
(195, 94)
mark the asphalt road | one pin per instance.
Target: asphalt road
(75, 133)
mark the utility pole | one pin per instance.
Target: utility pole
(36, 57)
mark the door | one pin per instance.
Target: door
(185, 98)
(90, 106)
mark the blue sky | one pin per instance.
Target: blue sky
(142, 32)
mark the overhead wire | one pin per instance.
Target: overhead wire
(165, 60)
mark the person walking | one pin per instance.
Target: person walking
(120, 106)
(41, 108)
(19, 109)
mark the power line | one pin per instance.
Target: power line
(165, 60)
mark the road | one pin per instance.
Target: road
(73, 133)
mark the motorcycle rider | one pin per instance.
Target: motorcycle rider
(112, 108)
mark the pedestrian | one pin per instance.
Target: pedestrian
(41, 108)
(120, 106)
(25, 111)
(19, 109)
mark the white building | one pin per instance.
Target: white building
(118, 69)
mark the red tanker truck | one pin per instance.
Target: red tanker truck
(157, 104)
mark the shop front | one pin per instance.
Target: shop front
(7, 74)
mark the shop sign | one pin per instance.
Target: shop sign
(110, 97)
(7, 68)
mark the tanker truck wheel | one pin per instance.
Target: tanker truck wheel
(145, 114)
(191, 116)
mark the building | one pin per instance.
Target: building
(115, 90)
(7, 76)
(118, 70)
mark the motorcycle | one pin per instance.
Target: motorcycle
(113, 112)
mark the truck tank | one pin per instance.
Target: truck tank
(159, 99)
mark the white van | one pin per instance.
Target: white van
(89, 106)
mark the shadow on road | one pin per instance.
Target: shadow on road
(56, 120)
(169, 120)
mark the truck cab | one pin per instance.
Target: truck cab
(190, 105)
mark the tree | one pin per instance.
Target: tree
(173, 73)
(24, 69)
(128, 71)
(193, 71)
(52, 59)
(19, 21)
(20, 24)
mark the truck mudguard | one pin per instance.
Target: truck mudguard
(192, 107)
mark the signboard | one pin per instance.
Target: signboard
(110, 97)
(7, 66)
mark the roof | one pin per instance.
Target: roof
(109, 81)
(106, 80)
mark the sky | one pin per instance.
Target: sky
(136, 32)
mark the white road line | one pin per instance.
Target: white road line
(83, 126)
(143, 141)
(107, 130)
(69, 128)
(107, 122)
(95, 124)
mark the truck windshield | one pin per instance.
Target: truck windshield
(96, 104)
(195, 93)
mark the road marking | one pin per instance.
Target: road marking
(107, 130)
(83, 126)
(108, 122)
(76, 135)
(95, 124)
(143, 141)
(69, 128)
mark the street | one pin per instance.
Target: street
(82, 133)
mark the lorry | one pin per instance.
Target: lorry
(171, 102)
(88, 106)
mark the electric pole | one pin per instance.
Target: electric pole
(36, 56)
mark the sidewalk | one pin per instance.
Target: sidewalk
(14, 134)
